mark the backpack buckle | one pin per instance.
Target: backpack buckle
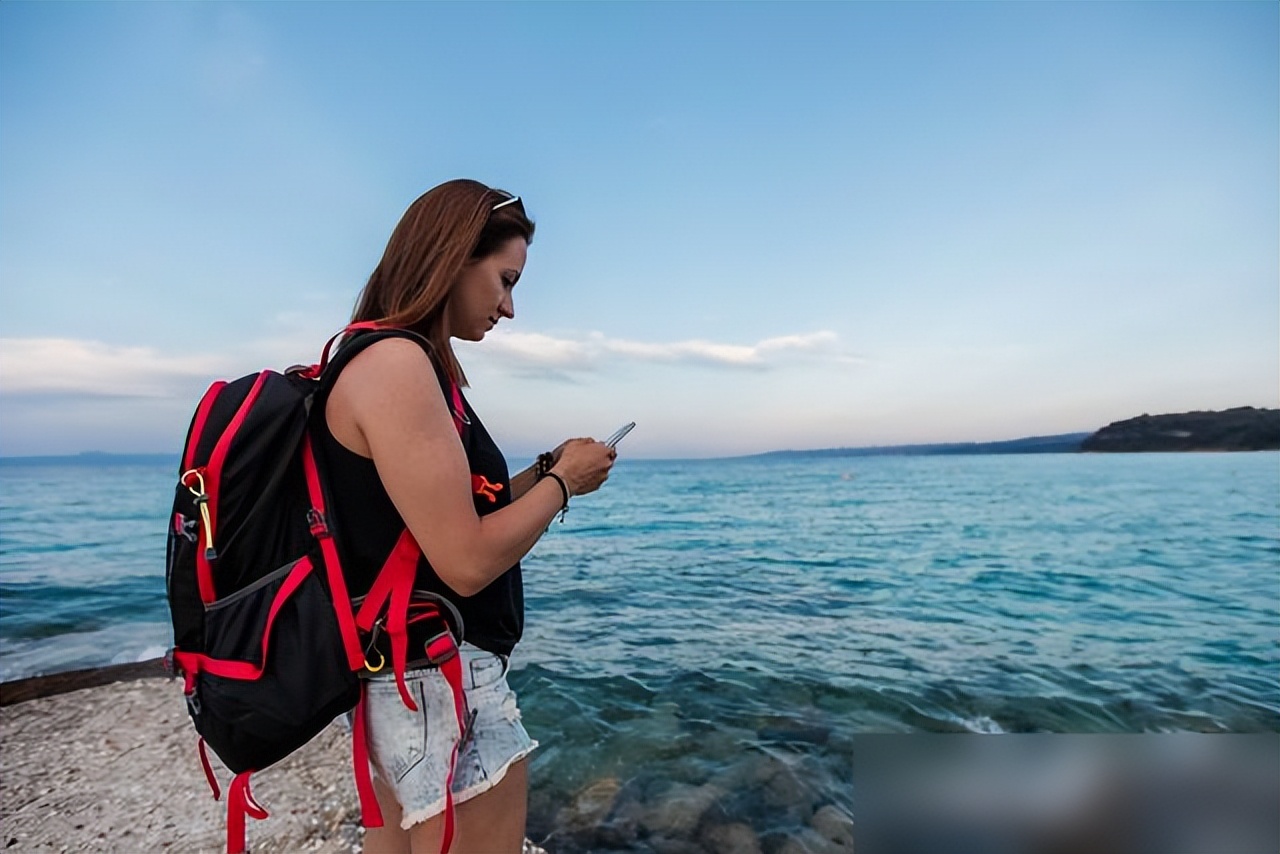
(371, 648)
(315, 519)
(441, 648)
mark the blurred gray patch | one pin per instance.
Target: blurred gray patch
(1178, 793)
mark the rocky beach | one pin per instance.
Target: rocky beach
(115, 768)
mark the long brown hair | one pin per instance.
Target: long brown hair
(444, 229)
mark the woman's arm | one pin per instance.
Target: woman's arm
(521, 481)
(387, 406)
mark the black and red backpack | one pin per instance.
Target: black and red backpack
(270, 645)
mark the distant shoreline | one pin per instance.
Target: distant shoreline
(1064, 443)
(1244, 428)
(96, 458)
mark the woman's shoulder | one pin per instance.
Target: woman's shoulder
(393, 357)
(391, 371)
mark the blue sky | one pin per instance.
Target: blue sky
(760, 226)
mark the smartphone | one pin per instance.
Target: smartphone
(613, 440)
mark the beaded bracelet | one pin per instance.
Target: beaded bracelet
(543, 465)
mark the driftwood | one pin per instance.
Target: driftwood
(21, 690)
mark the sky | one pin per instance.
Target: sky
(759, 226)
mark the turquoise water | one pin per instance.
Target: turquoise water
(696, 623)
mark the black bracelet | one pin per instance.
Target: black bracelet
(564, 492)
(543, 465)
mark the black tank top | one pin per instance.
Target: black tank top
(367, 525)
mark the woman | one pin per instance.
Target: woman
(403, 448)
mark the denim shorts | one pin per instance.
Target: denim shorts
(410, 750)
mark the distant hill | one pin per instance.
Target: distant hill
(1063, 443)
(94, 458)
(1241, 429)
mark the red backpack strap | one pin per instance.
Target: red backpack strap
(332, 564)
(451, 669)
(208, 771)
(314, 371)
(444, 650)
(240, 803)
(370, 812)
(193, 663)
(393, 588)
(459, 411)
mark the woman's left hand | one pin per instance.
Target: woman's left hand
(559, 450)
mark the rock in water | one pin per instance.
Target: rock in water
(809, 841)
(679, 809)
(736, 838)
(835, 825)
(590, 806)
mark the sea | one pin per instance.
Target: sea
(736, 623)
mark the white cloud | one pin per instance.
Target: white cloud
(48, 366)
(523, 350)
(69, 366)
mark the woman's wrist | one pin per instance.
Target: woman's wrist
(560, 476)
(565, 492)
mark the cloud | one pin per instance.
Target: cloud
(49, 367)
(61, 366)
(522, 351)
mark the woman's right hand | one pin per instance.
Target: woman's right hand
(584, 464)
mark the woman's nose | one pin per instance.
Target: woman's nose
(507, 308)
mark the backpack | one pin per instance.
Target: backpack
(270, 645)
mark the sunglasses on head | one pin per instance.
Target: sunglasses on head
(508, 201)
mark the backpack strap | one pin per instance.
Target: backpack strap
(358, 336)
(392, 589)
(240, 804)
(390, 594)
(318, 517)
(317, 370)
(370, 811)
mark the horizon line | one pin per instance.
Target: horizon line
(80, 455)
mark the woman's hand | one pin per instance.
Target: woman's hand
(584, 464)
(559, 450)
